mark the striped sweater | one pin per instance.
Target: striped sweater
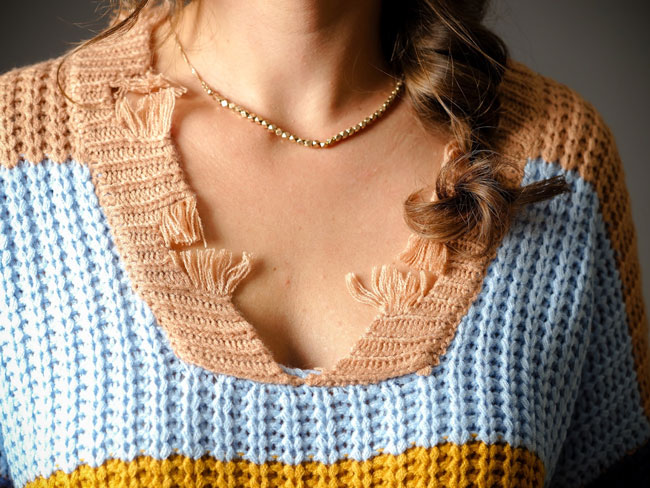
(123, 361)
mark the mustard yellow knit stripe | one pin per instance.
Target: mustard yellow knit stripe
(473, 464)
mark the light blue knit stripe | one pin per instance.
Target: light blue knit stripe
(608, 418)
(88, 374)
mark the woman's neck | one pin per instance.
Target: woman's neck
(304, 62)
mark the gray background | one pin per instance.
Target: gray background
(597, 47)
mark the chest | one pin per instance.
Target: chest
(93, 382)
(89, 380)
(309, 216)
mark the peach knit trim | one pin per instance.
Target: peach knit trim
(152, 212)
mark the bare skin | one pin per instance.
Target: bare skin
(308, 216)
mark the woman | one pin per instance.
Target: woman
(183, 196)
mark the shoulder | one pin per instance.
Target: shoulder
(35, 120)
(547, 121)
(52, 113)
(543, 118)
(40, 169)
(551, 124)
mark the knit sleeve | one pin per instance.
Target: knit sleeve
(607, 443)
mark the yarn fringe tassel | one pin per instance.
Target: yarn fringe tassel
(390, 290)
(212, 270)
(421, 253)
(180, 224)
(152, 115)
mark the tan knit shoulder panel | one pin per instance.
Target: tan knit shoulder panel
(34, 115)
(557, 124)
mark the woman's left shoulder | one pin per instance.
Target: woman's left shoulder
(548, 125)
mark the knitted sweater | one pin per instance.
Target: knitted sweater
(124, 362)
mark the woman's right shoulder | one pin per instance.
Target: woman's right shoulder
(42, 107)
(35, 115)
(43, 178)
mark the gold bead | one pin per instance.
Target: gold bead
(278, 131)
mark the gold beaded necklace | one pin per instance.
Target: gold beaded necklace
(284, 134)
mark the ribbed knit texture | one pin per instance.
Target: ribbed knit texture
(123, 362)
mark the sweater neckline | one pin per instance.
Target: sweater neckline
(151, 211)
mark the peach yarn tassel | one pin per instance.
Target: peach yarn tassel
(180, 224)
(212, 270)
(390, 290)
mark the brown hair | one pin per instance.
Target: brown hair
(452, 67)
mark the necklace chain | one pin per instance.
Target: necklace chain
(278, 131)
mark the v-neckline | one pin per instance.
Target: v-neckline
(151, 211)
